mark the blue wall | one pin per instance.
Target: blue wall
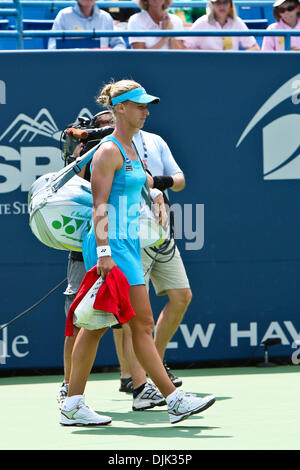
(245, 277)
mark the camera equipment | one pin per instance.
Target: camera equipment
(83, 131)
(101, 113)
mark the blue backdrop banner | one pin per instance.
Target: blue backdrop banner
(232, 123)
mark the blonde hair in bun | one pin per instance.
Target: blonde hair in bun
(113, 89)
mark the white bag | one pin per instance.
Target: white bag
(85, 316)
(60, 219)
(60, 209)
(150, 232)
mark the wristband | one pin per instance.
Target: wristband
(154, 192)
(103, 251)
(162, 182)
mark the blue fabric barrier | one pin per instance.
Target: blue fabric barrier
(77, 43)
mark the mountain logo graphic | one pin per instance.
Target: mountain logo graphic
(281, 137)
(24, 127)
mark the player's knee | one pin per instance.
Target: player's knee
(188, 296)
(183, 297)
(144, 325)
(148, 325)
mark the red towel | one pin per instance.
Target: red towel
(112, 296)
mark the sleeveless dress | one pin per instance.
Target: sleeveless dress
(123, 208)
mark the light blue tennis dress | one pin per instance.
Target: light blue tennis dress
(123, 207)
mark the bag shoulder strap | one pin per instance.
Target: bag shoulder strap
(145, 188)
(66, 173)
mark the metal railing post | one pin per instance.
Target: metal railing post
(19, 24)
(287, 42)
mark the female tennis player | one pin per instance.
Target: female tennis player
(117, 180)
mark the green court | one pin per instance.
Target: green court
(256, 408)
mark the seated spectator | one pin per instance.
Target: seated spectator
(221, 15)
(155, 17)
(85, 15)
(287, 16)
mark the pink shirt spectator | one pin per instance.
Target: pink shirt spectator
(276, 43)
(219, 43)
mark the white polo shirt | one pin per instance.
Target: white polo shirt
(156, 155)
(143, 21)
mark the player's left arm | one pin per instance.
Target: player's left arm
(179, 182)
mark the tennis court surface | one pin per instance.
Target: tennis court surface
(256, 408)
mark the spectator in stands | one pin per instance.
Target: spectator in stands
(287, 16)
(85, 15)
(221, 15)
(155, 17)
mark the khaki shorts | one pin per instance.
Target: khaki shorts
(165, 276)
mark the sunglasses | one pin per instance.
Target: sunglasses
(290, 8)
(105, 123)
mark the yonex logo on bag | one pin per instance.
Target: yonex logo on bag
(70, 225)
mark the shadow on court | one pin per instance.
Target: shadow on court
(201, 395)
(159, 415)
(142, 418)
(163, 432)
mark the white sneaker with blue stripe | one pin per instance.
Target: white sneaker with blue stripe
(182, 405)
(81, 415)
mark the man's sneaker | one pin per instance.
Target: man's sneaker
(126, 385)
(182, 405)
(176, 380)
(62, 394)
(148, 398)
(82, 415)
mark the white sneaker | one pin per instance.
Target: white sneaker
(182, 405)
(82, 415)
(148, 398)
